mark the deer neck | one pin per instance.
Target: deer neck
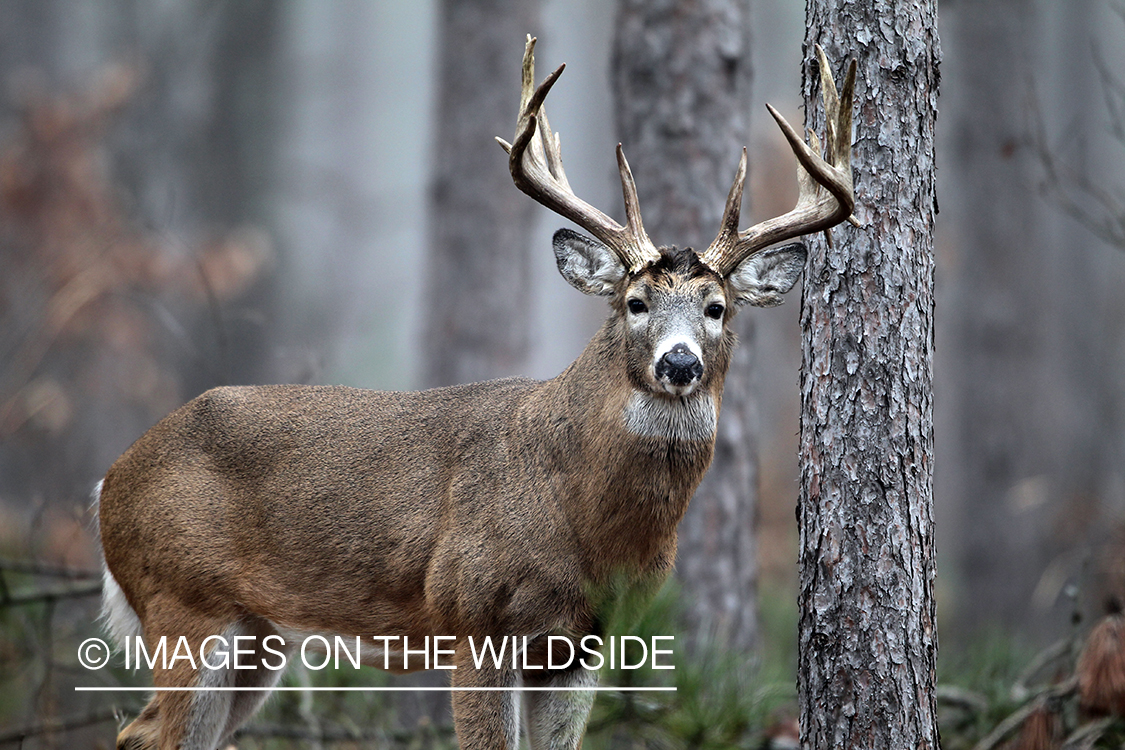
(630, 460)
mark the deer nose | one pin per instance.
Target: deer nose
(679, 366)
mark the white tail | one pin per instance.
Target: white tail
(117, 614)
(511, 508)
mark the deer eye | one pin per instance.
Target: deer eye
(714, 310)
(636, 306)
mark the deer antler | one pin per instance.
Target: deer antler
(825, 196)
(536, 167)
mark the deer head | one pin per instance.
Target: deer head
(674, 304)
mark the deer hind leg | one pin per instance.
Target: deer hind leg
(143, 733)
(557, 720)
(181, 720)
(485, 720)
(198, 720)
(266, 673)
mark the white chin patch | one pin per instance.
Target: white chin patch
(649, 415)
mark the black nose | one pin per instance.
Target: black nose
(679, 366)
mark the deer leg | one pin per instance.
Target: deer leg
(485, 720)
(175, 720)
(556, 720)
(144, 731)
(265, 674)
(204, 713)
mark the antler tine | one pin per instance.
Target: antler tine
(728, 229)
(536, 167)
(639, 247)
(825, 194)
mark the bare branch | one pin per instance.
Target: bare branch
(1087, 734)
(58, 726)
(49, 596)
(36, 568)
(1060, 648)
(968, 700)
(1099, 209)
(1017, 717)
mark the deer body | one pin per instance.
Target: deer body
(401, 498)
(507, 508)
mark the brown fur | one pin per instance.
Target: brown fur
(1042, 730)
(1101, 668)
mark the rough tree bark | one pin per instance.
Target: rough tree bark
(480, 226)
(867, 616)
(681, 79)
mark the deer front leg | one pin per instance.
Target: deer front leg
(485, 719)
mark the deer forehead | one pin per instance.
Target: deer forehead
(674, 288)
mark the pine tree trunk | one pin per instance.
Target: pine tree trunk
(681, 75)
(479, 284)
(867, 618)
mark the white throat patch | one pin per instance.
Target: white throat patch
(690, 418)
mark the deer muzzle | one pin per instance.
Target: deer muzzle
(678, 370)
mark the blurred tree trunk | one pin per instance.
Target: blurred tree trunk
(681, 79)
(867, 634)
(227, 164)
(478, 293)
(999, 338)
(186, 155)
(133, 139)
(1029, 464)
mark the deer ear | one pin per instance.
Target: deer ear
(589, 266)
(761, 279)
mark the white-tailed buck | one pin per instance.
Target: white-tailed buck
(507, 508)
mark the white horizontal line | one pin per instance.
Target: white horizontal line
(369, 689)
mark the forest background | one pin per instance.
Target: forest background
(196, 193)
